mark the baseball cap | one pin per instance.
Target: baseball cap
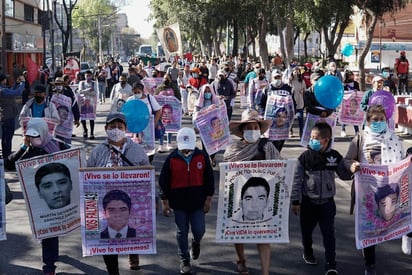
(186, 139)
(3, 77)
(377, 78)
(116, 116)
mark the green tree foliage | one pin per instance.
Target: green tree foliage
(66, 29)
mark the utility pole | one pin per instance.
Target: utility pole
(99, 30)
(52, 35)
(3, 36)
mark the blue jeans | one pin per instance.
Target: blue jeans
(50, 253)
(299, 113)
(7, 133)
(355, 127)
(102, 91)
(183, 218)
(169, 139)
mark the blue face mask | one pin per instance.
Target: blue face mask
(378, 127)
(385, 74)
(208, 95)
(315, 145)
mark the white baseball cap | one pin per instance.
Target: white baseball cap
(186, 139)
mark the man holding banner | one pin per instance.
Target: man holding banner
(117, 150)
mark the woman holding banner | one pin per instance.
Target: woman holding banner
(38, 141)
(251, 147)
(376, 138)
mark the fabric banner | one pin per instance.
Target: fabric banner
(254, 198)
(88, 106)
(351, 113)
(171, 112)
(64, 105)
(2, 202)
(170, 39)
(280, 109)
(32, 69)
(72, 64)
(151, 83)
(383, 206)
(146, 138)
(117, 207)
(50, 186)
(244, 99)
(192, 97)
(51, 124)
(213, 125)
(311, 120)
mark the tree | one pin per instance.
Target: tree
(66, 29)
(373, 11)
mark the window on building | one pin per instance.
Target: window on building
(28, 13)
(9, 8)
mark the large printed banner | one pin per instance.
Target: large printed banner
(279, 109)
(2, 202)
(254, 198)
(117, 207)
(151, 83)
(50, 186)
(171, 112)
(170, 39)
(213, 126)
(63, 104)
(51, 124)
(311, 120)
(351, 113)
(146, 138)
(88, 101)
(383, 203)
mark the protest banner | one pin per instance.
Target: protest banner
(50, 187)
(192, 97)
(311, 120)
(64, 105)
(106, 191)
(383, 206)
(280, 109)
(171, 112)
(258, 216)
(151, 83)
(2, 202)
(146, 138)
(244, 99)
(51, 124)
(213, 125)
(351, 113)
(87, 102)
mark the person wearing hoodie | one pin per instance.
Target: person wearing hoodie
(38, 141)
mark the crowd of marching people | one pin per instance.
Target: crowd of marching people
(272, 97)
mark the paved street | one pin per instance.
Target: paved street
(20, 254)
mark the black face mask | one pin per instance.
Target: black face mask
(123, 83)
(167, 82)
(38, 99)
(261, 77)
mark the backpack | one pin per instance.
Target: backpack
(402, 66)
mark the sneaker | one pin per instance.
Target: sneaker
(161, 149)
(185, 267)
(195, 250)
(169, 147)
(370, 270)
(331, 272)
(406, 245)
(241, 268)
(343, 134)
(134, 261)
(92, 137)
(309, 259)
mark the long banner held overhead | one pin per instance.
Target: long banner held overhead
(117, 207)
(254, 198)
(383, 203)
(50, 186)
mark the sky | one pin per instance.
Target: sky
(137, 12)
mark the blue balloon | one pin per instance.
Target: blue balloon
(347, 49)
(137, 115)
(329, 91)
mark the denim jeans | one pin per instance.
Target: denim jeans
(355, 127)
(8, 127)
(102, 91)
(50, 253)
(169, 139)
(196, 219)
(299, 114)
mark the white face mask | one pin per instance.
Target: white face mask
(35, 141)
(251, 136)
(139, 96)
(115, 134)
(277, 82)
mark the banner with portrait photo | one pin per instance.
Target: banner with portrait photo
(87, 106)
(311, 120)
(383, 203)
(350, 112)
(146, 138)
(151, 83)
(280, 109)
(117, 207)
(2, 202)
(64, 105)
(244, 99)
(170, 39)
(51, 124)
(50, 187)
(213, 125)
(254, 198)
(171, 112)
(192, 97)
